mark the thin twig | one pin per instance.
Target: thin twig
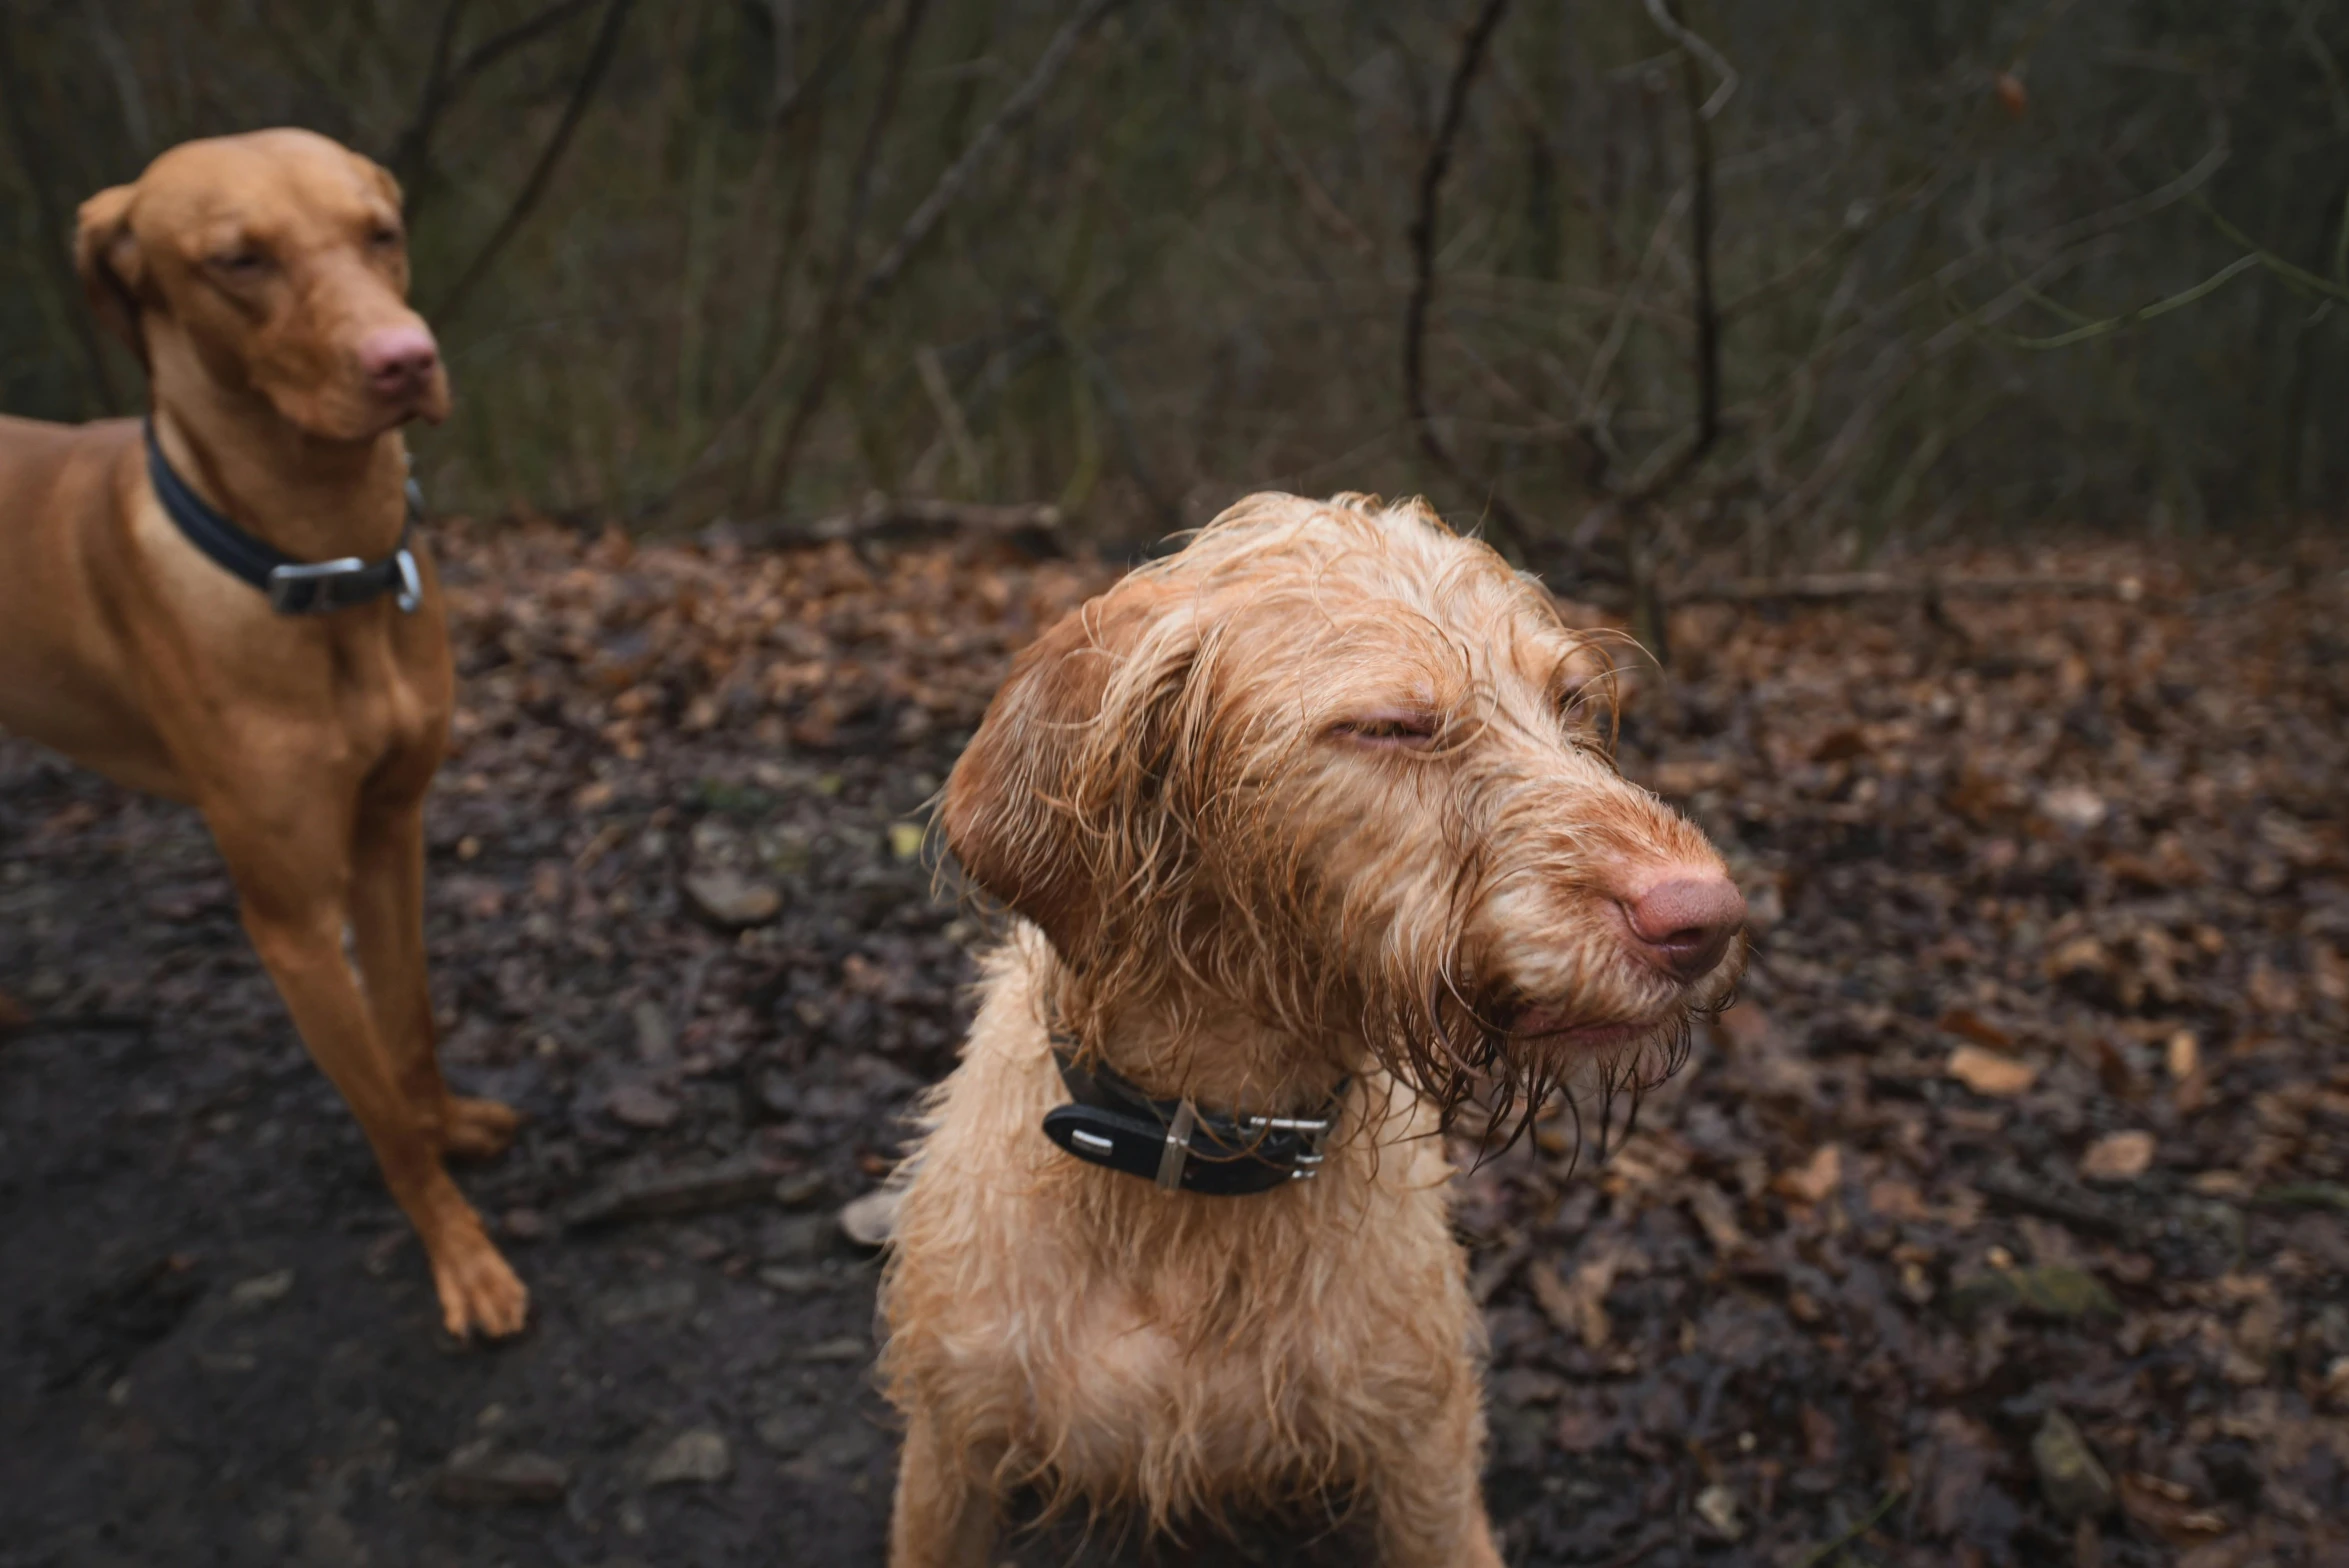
(56, 239)
(1423, 246)
(599, 60)
(1874, 1517)
(839, 305)
(1014, 113)
(1660, 12)
(2143, 313)
(1835, 587)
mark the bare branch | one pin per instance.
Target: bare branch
(599, 60)
(1660, 12)
(1014, 113)
(839, 304)
(1423, 243)
(32, 160)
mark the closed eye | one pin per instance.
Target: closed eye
(244, 262)
(1388, 730)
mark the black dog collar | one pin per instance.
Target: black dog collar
(1175, 1143)
(293, 587)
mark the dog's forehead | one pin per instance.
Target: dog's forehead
(1347, 580)
(280, 183)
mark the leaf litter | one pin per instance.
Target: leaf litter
(2006, 1219)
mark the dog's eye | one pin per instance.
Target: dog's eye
(244, 262)
(1388, 729)
(384, 236)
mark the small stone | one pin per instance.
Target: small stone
(797, 1279)
(728, 899)
(523, 1223)
(479, 1475)
(804, 1187)
(261, 1290)
(2119, 1156)
(2073, 806)
(2075, 1484)
(654, 1043)
(791, 1429)
(845, 1348)
(2336, 1384)
(778, 1094)
(662, 1298)
(1717, 1506)
(868, 1220)
(640, 1105)
(795, 1238)
(699, 1457)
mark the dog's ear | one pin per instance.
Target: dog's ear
(106, 253)
(1039, 809)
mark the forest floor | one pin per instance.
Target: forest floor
(2005, 1220)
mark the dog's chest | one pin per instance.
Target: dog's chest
(1221, 1366)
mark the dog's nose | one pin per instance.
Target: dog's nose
(398, 360)
(1684, 924)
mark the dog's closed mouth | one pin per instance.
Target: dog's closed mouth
(1560, 1027)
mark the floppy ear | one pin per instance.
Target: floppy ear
(107, 254)
(384, 180)
(1042, 808)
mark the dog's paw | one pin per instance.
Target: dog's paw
(479, 1294)
(477, 1129)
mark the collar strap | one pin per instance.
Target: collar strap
(1174, 1143)
(293, 587)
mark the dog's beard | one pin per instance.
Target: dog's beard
(1471, 1058)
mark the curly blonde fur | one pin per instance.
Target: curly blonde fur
(1320, 799)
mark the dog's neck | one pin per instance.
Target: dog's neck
(1216, 1055)
(314, 500)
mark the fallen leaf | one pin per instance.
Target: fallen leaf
(2118, 1156)
(730, 900)
(1578, 1306)
(1988, 1073)
(1967, 1024)
(2075, 1484)
(2183, 1054)
(1815, 1180)
(1717, 1217)
(2051, 1290)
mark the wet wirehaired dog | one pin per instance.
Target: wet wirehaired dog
(1313, 820)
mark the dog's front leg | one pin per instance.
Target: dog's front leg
(289, 854)
(944, 1517)
(1430, 1499)
(387, 927)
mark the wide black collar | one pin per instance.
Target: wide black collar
(293, 587)
(1177, 1144)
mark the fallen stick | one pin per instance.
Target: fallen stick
(883, 520)
(1832, 587)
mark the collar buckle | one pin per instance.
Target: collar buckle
(307, 588)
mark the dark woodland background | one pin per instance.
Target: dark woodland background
(1957, 266)
(2005, 1221)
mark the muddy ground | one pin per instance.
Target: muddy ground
(2004, 1221)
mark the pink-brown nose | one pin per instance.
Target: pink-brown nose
(1684, 924)
(398, 361)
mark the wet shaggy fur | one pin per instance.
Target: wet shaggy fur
(1322, 799)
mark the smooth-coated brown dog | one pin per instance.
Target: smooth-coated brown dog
(262, 279)
(1311, 815)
